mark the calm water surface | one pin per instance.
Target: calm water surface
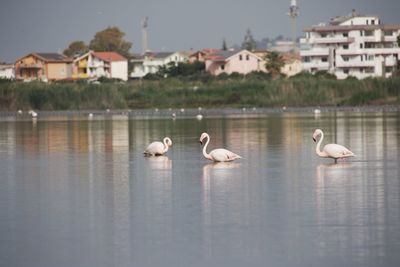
(80, 193)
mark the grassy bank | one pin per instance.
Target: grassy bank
(254, 91)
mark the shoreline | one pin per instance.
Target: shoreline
(186, 113)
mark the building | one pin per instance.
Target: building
(240, 61)
(100, 64)
(43, 66)
(293, 64)
(7, 71)
(151, 62)
(353, 45)
(202, 54)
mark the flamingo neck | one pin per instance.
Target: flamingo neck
(318, 148)
(165, 145)
(205, 154)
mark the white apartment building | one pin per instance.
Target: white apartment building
(353, 45)
(152, 61)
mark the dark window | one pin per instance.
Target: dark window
(240, 57)
(222, 67)
(345, 46)
(247, 57)
(346, 71)
(324, 59)
(345, 34)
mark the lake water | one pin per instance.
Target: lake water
(80, 193)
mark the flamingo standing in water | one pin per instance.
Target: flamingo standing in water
(219, 154)
(334, 151)
(158, 148)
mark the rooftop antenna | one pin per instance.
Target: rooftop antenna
(293, 13)
(145, 24)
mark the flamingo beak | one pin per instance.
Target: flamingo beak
(201, 142)
(315, 140)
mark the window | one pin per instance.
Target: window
(324, 59)
(346, 71)
(240, 57)
(323, 35)
(372, 21)
(222, 67)
(369, 33)
(247, 57)
(361, 33)
(345, 34)
(307, 59)
(346, 46)
(388, 33)
(370, 57)
(361, 45)
(346, 59)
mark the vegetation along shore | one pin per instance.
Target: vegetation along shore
(234, 91)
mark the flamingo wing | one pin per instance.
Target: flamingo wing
(155, 148)
(222, 155)
(337, 151)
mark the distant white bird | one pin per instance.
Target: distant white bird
(182, 110)
(156, 110)
(108, 110)
(173, 115)
(199, 108)
(19, 111)
(32, 113)
(219, 154)
(199, 117)
(317, 111)
(90, 115)
(158, 148)
(334, 151)
(243, 109)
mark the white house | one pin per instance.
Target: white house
(151, 62)
(101, 64)
(240, 61)
(7, 71)
(353, 45)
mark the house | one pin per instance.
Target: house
(43, 66)
(202, 54)
(293, 64)
(240, 61)
(7, 71)
(100, 64)
(151, 62)
(353, 45)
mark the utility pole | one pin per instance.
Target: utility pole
(145, 24)
(293, 13)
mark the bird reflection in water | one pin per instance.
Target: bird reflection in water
(159, 163)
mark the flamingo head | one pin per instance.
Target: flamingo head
(316, 133)
(168, 141)
(203, 135)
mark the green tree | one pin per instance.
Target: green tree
(224, 46)
(249, 43)
(398, 41)
(274, 63)
(76, 48)
(111, 39)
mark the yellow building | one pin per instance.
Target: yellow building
(44, 67)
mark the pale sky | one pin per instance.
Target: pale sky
(51, 25)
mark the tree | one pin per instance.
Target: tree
(249, 43)
(76, 48)
(274, 63)
(111, 39)
(224, 46)
(398, 41)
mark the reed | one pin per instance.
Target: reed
(255, 90)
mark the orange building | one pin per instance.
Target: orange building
(44, 67)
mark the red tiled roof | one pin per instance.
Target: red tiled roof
(109, 56)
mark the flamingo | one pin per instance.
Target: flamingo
(334, 151)
(219, 154)
(158, 148)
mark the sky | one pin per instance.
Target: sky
(51, 25)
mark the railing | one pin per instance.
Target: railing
(314, 52)
(31, 66)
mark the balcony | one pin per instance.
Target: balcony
(390, 38)
(31, 66)
(354, 64)
(314, 52)
(316, 65)
(331, 40)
